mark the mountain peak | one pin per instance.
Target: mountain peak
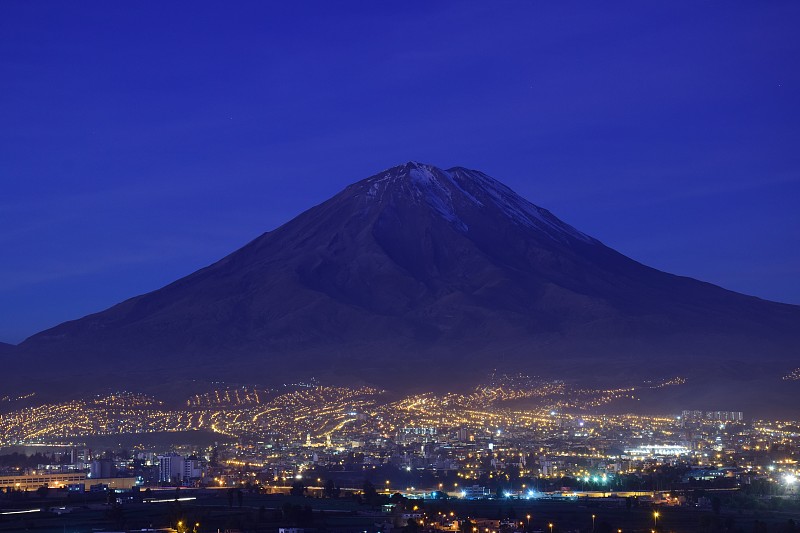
(456, 193)
(414, 274)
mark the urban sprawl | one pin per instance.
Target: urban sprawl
(514, 439)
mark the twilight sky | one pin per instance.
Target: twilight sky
(141, 142)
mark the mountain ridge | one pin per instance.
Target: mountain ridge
(444, 268)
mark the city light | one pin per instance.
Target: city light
(20, 512)
(297, 435)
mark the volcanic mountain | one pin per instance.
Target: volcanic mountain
(420, 276)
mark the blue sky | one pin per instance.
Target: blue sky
(141, 141)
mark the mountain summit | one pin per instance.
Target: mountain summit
(456, 192)
(422, 275)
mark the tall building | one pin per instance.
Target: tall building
(101, 469)
(713, 416)
(193, 468)
(170, 467)
(725, 416)
(176, 468)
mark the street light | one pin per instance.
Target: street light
(550, 525)
(655, 519)
(593, 523)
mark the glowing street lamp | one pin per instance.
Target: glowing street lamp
(655, 519)
(593, 517)
(550, 525)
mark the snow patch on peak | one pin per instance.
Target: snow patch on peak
(448, 191)
(519, 209)
(421, 174)
(426, 186)
(420, 182)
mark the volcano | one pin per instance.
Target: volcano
(418, 277)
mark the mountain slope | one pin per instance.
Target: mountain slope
(421, 268)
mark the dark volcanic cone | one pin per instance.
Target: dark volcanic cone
(418, 277)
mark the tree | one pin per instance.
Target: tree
(298, 489)
(399, 499)
(411, 527)
(370, 494)
(330, 489)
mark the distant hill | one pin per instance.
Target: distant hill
(421, 277)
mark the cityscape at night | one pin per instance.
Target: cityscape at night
(363, 267)
(526, 445)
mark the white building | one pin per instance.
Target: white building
(174, 467)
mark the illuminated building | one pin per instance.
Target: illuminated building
(33, 482)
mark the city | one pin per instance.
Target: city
(514, 446)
